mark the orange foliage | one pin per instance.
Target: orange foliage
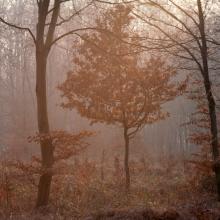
(113, 82)
(65, 144)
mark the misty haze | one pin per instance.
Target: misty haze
(109, 109)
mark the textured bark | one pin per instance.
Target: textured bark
(43, 126)
(43, 44)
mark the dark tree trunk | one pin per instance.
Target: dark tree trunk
(43, 46)
(43, 126)
(209, 96)
(126, 161)
(214, 134)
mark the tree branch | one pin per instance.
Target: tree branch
(19, 28)
(172, 15)
(60, 2)
(64, 20)
(174, 40)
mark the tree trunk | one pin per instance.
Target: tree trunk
(43, 126)
(210, 98)
(214, 131)
(43, 46)
(126, 161)
(214, 134)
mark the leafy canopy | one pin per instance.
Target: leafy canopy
(112, 81)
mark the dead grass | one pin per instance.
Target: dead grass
(82, 191)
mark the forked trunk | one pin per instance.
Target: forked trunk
(44, 40)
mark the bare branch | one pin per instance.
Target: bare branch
(185, 12)
(174, 40)
(64, 20)
(52, 26)
(213, 41)
(155, 4)
(60, 2)
(19, 28)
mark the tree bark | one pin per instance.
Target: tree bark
(126, 160)
(43, 126)
(210, 98)
(214, 134)
(43, 46)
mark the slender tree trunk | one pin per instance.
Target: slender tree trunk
(43, 46)
(126, 161)
(43, 126)
(214, 134)
(210, 98)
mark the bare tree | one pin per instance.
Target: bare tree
(184, 34)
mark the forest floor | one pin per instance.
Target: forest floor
(161, 193)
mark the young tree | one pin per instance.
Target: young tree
(112, 83)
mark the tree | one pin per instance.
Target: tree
(112, 83)
(48, 21)
(186, 36)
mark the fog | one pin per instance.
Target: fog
(115, 98)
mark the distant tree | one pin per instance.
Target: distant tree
(110, 83)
